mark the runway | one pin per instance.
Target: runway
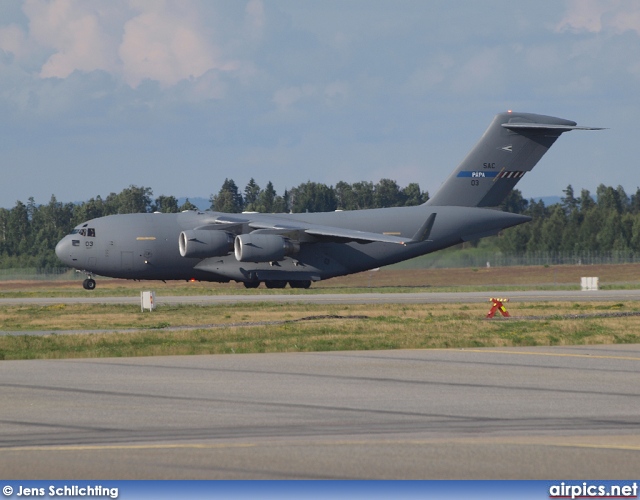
(510, 413)
(348, 298)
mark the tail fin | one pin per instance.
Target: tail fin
(510, 147)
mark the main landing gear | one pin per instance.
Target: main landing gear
(278, 284)
(89, 284)
(300, 284)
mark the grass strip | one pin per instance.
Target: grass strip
(344, 327)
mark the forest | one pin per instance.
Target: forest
(608, 221)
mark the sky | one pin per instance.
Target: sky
(178, 95)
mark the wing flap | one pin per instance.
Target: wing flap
(223, 226)
(353, 235)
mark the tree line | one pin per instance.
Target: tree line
(29, 232)
(578, 224)
(316, 197)
(608, 221)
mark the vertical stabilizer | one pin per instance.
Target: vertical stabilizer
(509, 148)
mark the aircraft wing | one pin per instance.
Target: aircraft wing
(344, 234)
(327, 232)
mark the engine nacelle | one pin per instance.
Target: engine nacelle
(263, 247)
(201, 243)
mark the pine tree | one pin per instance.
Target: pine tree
(228, 199)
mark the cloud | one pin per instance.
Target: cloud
(483, 71)
(610, 30)
(287, 97)
(79, 35)
(336, 93)
(166, 41)
(434, 73)
(601, 16)
(163, 45)
(12, 40)
(255, 19)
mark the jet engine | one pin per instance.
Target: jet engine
(263, 247)
(201, 243)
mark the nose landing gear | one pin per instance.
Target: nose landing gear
(89, 284)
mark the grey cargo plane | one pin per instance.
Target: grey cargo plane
(301, 248)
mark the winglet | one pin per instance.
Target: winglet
(423, 233)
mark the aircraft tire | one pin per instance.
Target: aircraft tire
(275, 283)
(300, 284)
(251, 284)
(89, 284)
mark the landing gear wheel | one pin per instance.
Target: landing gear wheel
(275, 283)
(300, 284)
(89, 284)
(251, 284)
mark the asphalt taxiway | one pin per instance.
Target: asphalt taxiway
(510, 413)
(348, 298)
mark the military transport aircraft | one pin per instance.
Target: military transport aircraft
(301, 248)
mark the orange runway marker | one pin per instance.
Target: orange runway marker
(498, 305)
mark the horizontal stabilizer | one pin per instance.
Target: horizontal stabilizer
(547, 126)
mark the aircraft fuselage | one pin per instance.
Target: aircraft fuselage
(146, 246)
(300, 248)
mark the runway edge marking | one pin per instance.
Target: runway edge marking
(557, 354)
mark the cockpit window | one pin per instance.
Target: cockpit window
(90, 232)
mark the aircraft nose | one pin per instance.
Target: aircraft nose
(63, 250)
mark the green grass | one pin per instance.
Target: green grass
(240, 328)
